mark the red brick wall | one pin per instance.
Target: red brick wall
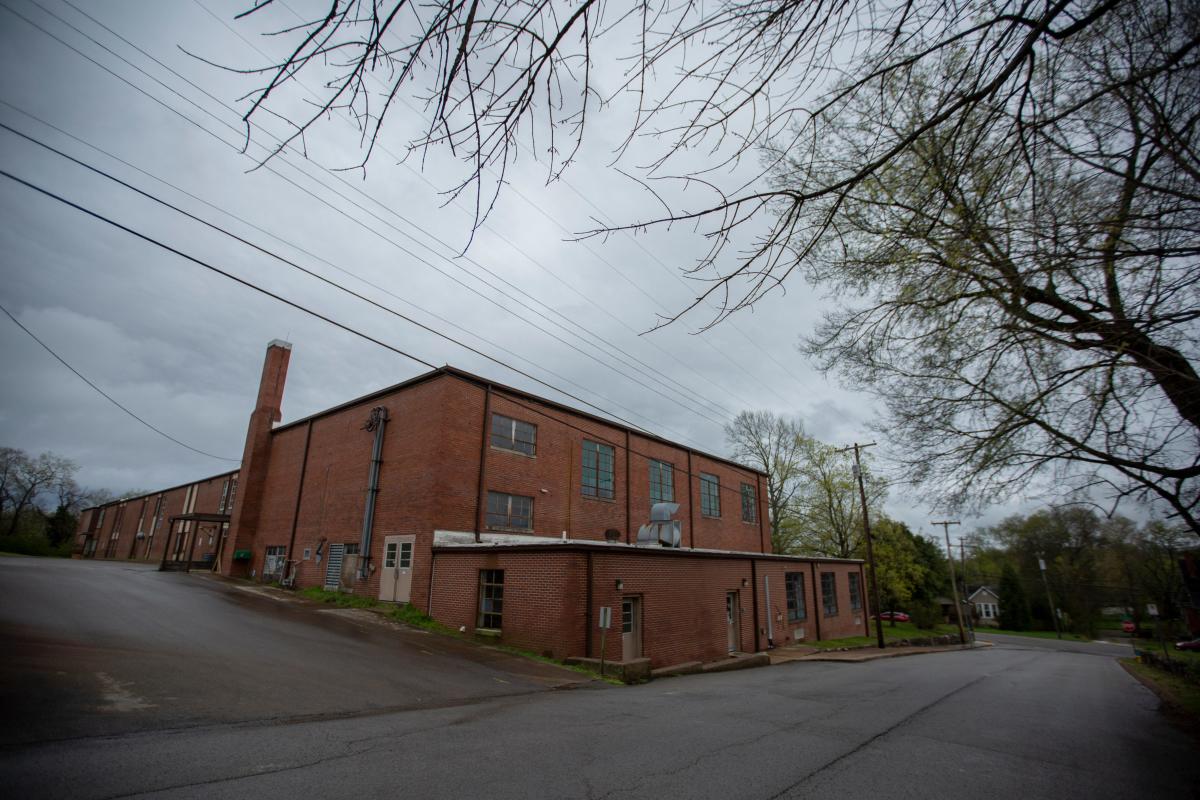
(544, 597)
(683, 604)
(682, 598)
(845, 623)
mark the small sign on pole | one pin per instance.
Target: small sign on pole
(1152, 609)
(605, 624)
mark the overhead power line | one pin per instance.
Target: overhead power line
(340, 325)
(691, 395)
(287, 261)
(106, 395)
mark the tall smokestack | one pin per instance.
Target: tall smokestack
(243, 523)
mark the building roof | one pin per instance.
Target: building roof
(987, 589)
(156, 492)
(450, 541)
(482, 382)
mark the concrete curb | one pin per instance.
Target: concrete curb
(855, 657)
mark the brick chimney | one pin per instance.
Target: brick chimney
(243, 523)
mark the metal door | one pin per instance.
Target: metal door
(333, 567)
(731, 616)
(395, 582)
(631, 628)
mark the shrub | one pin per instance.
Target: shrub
(925, 615)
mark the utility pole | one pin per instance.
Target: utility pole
(862, 496)
(946, 523)
(1049, 599)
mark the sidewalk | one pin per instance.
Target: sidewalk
(860, 654)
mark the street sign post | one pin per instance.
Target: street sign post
(605, 624)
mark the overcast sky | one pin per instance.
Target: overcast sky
(182, 346)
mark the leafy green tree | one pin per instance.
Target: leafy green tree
(771, 443)
(1014, 607)
(825, 514)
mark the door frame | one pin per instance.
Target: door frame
(733, 621)
(638, 628)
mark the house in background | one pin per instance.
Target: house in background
(985, 603)
(502, 513)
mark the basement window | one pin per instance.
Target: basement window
(509, 512)
(491, 598)
(513, 434)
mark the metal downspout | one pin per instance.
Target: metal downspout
(299, 498)
(483, 451)
(378, 423)
(818, 609)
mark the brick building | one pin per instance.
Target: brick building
(501, 513)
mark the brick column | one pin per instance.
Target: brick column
(243, 522)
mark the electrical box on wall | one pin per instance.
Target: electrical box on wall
(798, 634)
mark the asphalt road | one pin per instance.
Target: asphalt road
(1029, 719)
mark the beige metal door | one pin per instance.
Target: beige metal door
(631, 628)
(731, 616)
(395, 582)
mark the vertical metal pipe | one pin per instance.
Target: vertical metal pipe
(628, 493)
(691, 505)
(378, 422)
(754, 602)
(483, 450)
(817, 608)
(299, 497)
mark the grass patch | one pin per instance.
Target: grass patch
(1067, 636)
(410, 615)
(1155, 647)
(516, 651)
(891, 633)
(1180, 694)
(339, 599)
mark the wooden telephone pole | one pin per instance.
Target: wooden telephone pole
(946, 523)
(862, 496)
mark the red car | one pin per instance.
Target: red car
(1194, 644)
(899, 616)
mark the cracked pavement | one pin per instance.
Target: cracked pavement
(1019, 718)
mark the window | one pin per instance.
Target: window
(224, 497)
(627, 615)
(829, 593)
(350, 549)
(793, 583)
(233, 483)
(710, 495)
(389, 555)
(491, 598)
(662, 482)
(855, 593)
(509, 511)
(513, 434)
(598, 480)
(749, 503)
(405, 555)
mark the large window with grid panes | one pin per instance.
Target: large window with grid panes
(512, 512)
(710, 495)
(855, 592)
(829, 593)
(599, 477)
(793, 583)
(749, 503)
(491, 598)
(514, 434)
(662, 482)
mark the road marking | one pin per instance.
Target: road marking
(117, 697)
